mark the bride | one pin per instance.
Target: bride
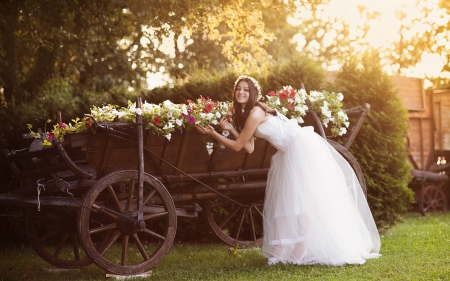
(314, 211)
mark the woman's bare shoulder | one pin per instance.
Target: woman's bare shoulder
(257, 113)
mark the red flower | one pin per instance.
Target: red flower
(209, 107)
(272, 93)
(292, 93)
(289, 105)
(203, 99)
(284, 95)
(156, 120)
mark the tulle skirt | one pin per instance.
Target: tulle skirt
(315, 211)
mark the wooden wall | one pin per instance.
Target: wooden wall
(419, 104)
(442, 119)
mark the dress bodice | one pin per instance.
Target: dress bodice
(279, 131)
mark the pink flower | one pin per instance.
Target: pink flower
(50, 135)
(62, 125)
(191, 119)
(272, 93)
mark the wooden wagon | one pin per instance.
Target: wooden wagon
(428, 141)
(114, 197)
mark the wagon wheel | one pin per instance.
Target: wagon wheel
(53, 235)
(352, 161)
(235, 224)
(128, 250)
(432, 200)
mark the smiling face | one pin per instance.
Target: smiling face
(242, 93)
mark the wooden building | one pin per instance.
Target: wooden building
(429, 122)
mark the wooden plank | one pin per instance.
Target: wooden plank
(411, 92)
(442, 117)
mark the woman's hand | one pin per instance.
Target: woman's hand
(205, 130)
(225, 125)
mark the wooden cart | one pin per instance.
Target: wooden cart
(115, 196)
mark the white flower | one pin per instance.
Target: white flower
(167, 103)
(184, 109)
(221, 145)
(346, 124)
(209, 147)
(138, 111)
(179, 122)
(120, 114)
(225, 133)
(218, 114)
(342, 131)
(299, 120)
(214, 122)
(210, 116)
(168, 126)
(340, 97)
(325, 111)
(284, 109)
(168, 136)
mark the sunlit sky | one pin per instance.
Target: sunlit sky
(383, 31)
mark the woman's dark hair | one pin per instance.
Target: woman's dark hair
(240, 116)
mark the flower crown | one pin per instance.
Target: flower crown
(241, 77)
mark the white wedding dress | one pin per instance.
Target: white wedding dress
(315, 211)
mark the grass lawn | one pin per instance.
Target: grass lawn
(417, 249)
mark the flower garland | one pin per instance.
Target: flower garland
(167, 117)
(328, 106)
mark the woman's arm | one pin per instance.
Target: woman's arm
(225, 125)
(256, 116)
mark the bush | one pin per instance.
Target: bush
(379, 147)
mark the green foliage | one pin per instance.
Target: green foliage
(379, 146)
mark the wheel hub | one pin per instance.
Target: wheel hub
(130, 224)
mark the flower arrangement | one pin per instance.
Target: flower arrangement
(167, 117)
(292, 103)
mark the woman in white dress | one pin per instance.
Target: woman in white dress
(314, 211)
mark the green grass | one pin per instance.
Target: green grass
(417, 249)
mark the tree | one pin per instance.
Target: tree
(103, 51)
(379, 147)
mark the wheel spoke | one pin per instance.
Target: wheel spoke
(252, 225)
(130, 194)
(76, 249)
(153, 216)
(115, 199)
(125, 239)
(154, 234)
(103, 228)
(109, 243)
(140, 247)
(61, 245)
(229, 217)
(104, 211)
(241, 220)
(150, 195)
